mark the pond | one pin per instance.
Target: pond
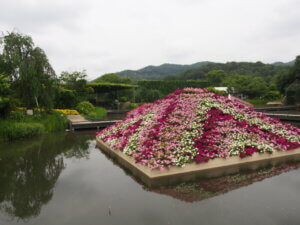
(64, 179)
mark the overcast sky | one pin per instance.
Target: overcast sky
(109, 36)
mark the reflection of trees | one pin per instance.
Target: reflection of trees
(30, 169)
(207, 188)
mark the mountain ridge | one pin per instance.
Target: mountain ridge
(166, 70)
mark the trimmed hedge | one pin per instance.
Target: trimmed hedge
(108, 87)
(168, 86)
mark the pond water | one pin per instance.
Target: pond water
(64, 179)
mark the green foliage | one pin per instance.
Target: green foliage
(16, 130)
(251, 86)
(215, 77)
(258, 102)
(110, 87)
(124, 99)
(293, 93)
(54, 122)
(96, 114)
(70, 79)
(148, 95)
(211, 89)
(5, 103)
(112, 78)
(167, 87)
(65, 99)
(134, 105)
(5, 106)
(76, 82)
(290, 83)
(31, 75)
(85, 107)
(272, 95)
(18, 116)
(266, 71)
(283, 80)
(18, 125)
(4, 86)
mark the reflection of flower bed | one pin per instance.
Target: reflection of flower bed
(204, 189)
(196, 125)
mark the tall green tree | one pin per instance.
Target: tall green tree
(293, 89)
(76, 81)
(283, 80)
(215, 77)
(30, 73)
(113, 78)
(254, 87)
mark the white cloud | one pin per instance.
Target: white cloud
(108, 36)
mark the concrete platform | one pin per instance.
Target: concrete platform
(193, 171)
(285, 116)
(276, 108)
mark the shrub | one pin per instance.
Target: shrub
(96, 114)
(5, 106)
(258, 102)
(272, 95)
(293, 93)
(148, 95)
(85, 107)
(17, 130)
(168, 86)
(54, 122)
(18, 116)
(65, 98)
(18, 125)
(124, 99)
(134, 105)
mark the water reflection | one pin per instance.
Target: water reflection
(208, 188)
(64, 179)
(30, 169)
(202, 189)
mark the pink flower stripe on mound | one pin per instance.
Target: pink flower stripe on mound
(196, 125)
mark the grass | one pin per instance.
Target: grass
(11, 130)
(18, 125)
(54, 122)
(96, 114)
(258, 102)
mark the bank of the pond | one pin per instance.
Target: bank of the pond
(18, 125)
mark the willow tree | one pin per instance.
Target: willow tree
(29, 70)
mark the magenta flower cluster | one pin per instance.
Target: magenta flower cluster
(197, 125)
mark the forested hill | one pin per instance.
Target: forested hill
(245, 68)
(159, 72)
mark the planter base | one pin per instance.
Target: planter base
(213, 168)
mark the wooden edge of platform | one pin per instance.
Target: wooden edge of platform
(214, 167)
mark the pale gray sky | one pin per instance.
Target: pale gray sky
(109, 36)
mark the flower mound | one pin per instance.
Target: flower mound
(196, 125)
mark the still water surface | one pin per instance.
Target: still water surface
(64, 179)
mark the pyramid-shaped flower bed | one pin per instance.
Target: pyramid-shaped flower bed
(195, 125)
